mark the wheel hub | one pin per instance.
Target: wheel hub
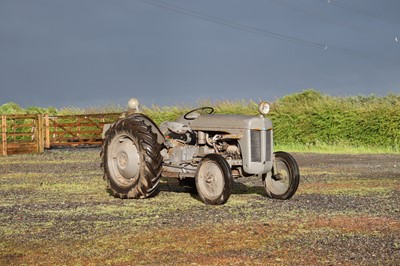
(122, 159)
(209, 178)
(284, 176)
(281, 176)
(212, 179)
(279, 183)
(125, 159)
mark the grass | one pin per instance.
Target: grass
(276, 242)
(352, 187)
(336, 149)
(60, 214)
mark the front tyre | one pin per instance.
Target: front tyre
(286, 178)
(214, 179)
(131, 159)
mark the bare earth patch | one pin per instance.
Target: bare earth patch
(54, 209)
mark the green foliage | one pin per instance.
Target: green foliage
(302, 98)
(40, 110)
(110, 108)
(11, 108)
(311, 118)
(236, 107)
(306, 119)
(164, 113)
(171, 113)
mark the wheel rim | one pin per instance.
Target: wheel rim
(211, 179)
(281, 184)
(123, 160)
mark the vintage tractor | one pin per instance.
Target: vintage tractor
(200, 148)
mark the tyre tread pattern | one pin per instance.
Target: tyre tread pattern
(149, 153)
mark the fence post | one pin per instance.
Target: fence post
(39, 133)
(4, 135)
(47, 131)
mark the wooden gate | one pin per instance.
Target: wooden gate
(34, 133)
(22, 134)
(76, 130)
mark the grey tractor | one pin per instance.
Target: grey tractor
(203, 150)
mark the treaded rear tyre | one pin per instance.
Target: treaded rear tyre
(131, 159)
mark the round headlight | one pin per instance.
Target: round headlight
(263, 108)
(133, 104)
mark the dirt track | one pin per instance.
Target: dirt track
(55, 210)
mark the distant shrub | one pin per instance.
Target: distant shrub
(312, 118)
(40, 110)
(11, 108)
(164, 113)
(307, 118)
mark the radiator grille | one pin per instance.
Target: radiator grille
(255, 139)
(268, 154)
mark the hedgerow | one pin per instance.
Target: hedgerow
(312, 118)
(308, 118)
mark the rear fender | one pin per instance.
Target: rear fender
(147, 120)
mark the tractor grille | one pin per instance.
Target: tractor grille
(255, 140)
(268, 154)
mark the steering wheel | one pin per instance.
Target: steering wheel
(206, 110)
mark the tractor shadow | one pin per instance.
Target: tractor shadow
(240, 187)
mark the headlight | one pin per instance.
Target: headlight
(133, 104)
(263, 108)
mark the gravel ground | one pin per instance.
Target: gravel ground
(55, 210)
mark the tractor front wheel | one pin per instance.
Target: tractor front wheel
(284, 180)
(214, 179)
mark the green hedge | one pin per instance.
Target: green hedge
(306, 118)
(312, 118)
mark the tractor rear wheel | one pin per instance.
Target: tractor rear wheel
(214, 179)
(131, 159)
(286, 180)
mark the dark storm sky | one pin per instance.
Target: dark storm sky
(93, 52)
